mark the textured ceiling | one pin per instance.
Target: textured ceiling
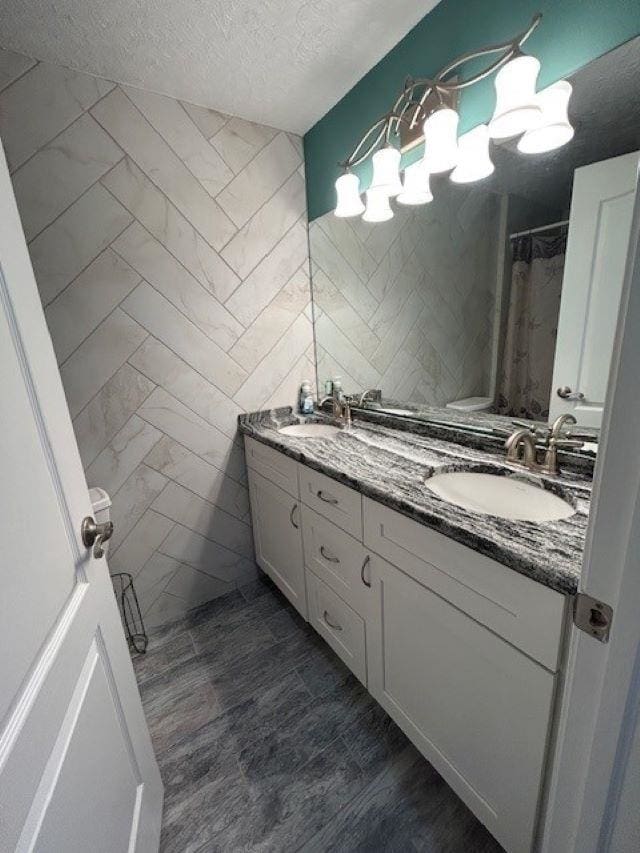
(278, 62)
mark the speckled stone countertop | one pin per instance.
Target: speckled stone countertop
(482, 430)
(391, 466)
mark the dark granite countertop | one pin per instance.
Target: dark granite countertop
(482, 430)
(391, 466)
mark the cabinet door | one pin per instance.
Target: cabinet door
(278, 540)
(476, 707)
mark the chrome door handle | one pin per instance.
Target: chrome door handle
(567, 394)
(320, 494)
(366, 562)
(325, 616)
(291, 514)
(328, 557)
(95, 534)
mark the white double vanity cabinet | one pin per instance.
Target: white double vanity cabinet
(462, 652)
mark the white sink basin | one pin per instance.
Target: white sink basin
(310, 430)
(504, 497)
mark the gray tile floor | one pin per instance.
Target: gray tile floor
(267, 742)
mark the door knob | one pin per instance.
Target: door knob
(95, 534)
(567, 394)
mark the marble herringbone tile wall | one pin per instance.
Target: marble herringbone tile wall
(407, 305)
(169, 243)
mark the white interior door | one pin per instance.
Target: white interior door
(593, 797)
(77, 770)
(599, 227)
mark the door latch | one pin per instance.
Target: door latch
(95, 535)
(592, 616)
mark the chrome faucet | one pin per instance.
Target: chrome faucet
(521, 446)
(556, 441)
(556, 427)
(522, 440)
(374, 394)
(335, 404)
(341, 409)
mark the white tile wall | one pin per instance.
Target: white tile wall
(74, 239)
(239, 141)
(90, 297)
(155, 212)
(176, 127)
(67, 166)
(56, 97)
(257, 238)
(169, 245)
(406, 306)
(12, 66)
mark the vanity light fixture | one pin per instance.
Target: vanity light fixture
(516, 108)
(441, 140)
(416, 189)
(378, 208)
(348, 191)
(429, 102)
(474, 162)
(553, 129)
(386, 171)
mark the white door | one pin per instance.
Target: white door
(593, 797)
(77, 770)
(599, 227)
(278, 538)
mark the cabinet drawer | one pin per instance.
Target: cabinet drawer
(331, 499)
(338, 624)
(337, 558)
(524, 612)
(272, 464)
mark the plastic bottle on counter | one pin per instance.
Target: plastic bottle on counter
(338, 393)
(306, 398)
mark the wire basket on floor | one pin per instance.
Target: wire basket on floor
(130, 612)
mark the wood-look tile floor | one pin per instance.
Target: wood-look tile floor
(267, 742)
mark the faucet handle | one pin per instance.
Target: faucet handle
(530, 425)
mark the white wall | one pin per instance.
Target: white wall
(169, 244)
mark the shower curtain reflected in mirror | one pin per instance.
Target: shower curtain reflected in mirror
(524, 381)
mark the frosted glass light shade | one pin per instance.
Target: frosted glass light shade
(378, 208)
(386, 171)
(349, 202)
(440, 140)
(516, 107)
(474, 162)
(416, 189)
(553, 128)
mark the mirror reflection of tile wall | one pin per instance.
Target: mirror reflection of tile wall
(408, 305)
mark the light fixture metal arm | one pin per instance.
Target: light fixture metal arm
(510, 45)
(386, 128)
(389, 123)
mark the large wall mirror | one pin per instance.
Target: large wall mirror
(499, 297)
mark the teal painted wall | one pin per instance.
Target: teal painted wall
(572, 33)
